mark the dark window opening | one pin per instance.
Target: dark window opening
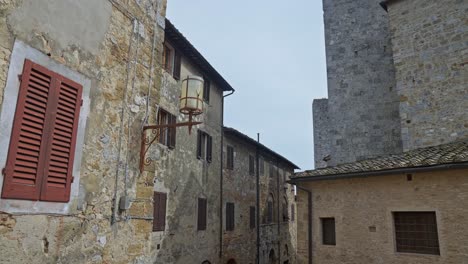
(171, 61)
(416, 232)
(201, 223)
(230, 158)
(230, 216)
(206, 90)
(159, 211)
(328, 231)
(292, 213)
(167, 136)
(251, 165)
(252, 217)
(204, 146)
(270, 210)
(261, 164)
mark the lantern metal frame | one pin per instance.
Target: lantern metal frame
(156, 130)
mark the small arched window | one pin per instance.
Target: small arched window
(270, 209)
(231, 261)
(285, 209)
(206, 262)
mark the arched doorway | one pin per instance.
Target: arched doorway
(231, 261)
(272, 257)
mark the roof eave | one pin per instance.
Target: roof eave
(449, 166)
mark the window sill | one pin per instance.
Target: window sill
(409, 254)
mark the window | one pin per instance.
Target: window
(252, 217)
(328, 231)
(292, 212)
(416, 232)
(285, 210)
(206, 90)
(201, 224)
(261, 164)
(171, 61)
(251, 165)
(159, 211)
(230, 158)
(270, 209)
(229, 216)
(272, 171)
(204, 146)
(40, 167)
(167, 136)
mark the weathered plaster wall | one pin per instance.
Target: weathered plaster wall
(185, 178)
(116, 57)
(430, 53)
(362, 102)
(360, 203)
(239, 187)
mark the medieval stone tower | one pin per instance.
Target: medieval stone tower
(360, 117)
(392, 86)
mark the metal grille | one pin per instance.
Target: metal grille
(416, 232)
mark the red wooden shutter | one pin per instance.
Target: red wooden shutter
(23, 172)
(177, 65)
(40, 158)
(209, 148)
(201, 223)
(66, 104)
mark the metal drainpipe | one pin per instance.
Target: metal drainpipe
(221, 180)
(309, 220)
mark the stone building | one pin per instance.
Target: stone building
(187, 170)
(276, 222)
(78, 80)
(391, 166)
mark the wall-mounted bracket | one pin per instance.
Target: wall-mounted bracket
(146, 142)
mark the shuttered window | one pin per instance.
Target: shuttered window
(416, 232)
(201, 223)
(177, 65)
(204, 146)
(252, 217)
(328, 231)
(159, 211)
(41, 152)
(206, 90)
(230, 216)
(251, 165)
(172, 60)
(230, 158)
(167, 136)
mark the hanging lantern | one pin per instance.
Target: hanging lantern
(191, 98)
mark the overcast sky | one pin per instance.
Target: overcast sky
(272, 52)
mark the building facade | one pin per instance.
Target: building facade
(276, 222)
(187, 171)
(76, 87)
(401, 202)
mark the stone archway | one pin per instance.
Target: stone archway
(232, 261)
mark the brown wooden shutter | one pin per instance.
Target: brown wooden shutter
(209, 148)
(252, 217)
(24, 167)
(172, 132)
(177, 65)
(206, 90)
(230, 216)
(199, 145)
(159, 211)
(201, 224)
(66, 103)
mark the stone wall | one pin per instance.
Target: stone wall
(362, 102)
(111, 44)
(362, 208)
(429, 47)
(185, 178)
(239, 187)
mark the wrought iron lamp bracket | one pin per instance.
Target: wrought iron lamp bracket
(156, 130)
